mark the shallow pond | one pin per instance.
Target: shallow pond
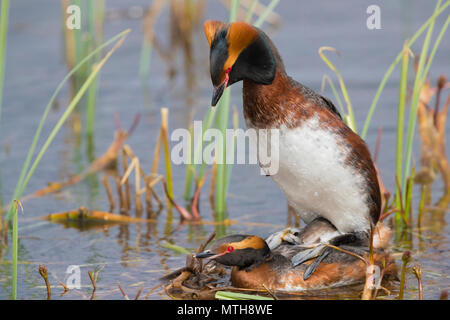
(132, 254)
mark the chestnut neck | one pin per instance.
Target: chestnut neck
(267, 106)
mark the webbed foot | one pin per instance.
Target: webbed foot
(289, 235)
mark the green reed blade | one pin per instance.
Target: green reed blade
(144, 66)
(225, 295)
(266, 12)
(174, 247)
(96, 19)
(350, 118)
(400, 124)
(335, 93)
(394, 64)
(234, 9)
(251, 9)
(15, 250)
(435, 47)
(222, 123)
(3, 37)
(418, 83)
(232, 149)
(191, 169)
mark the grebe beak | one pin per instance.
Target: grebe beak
(218, 91)
(209, 254)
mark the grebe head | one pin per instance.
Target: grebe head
(237, 250)
(238, 51)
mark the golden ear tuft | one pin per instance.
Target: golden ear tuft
(253, 242)
(240, 36)
(211, 27)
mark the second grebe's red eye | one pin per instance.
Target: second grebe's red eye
(228, 70)
(230, 249)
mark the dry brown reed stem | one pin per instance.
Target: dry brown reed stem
(138, 188)
(66, 288)
(272, 294)
(148, 195)
(138, 293)
(152, 290)
(181, 210)
(123, 292)
(417, 270)
(107, 186)
(154, 170)
(94, 286)
(130, 154)
(368, 291)
(121, 196)
(44, 274)
(69, 37)
(165, 140)
(185, 17)
(196, 198)
(92, 215)
(193, 266)
(212, 187)
(150, 19)
(127, 198)
(444, 295)
(406, 258)
(431, 123)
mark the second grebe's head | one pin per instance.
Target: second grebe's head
(237, 250)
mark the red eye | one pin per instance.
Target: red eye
(228, 71)
(230, 249)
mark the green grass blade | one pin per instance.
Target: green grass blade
(266, 12)
(335, 93)
(174, 247)
(435, 47)
(191, 169)
(400, 123)
(418, 83)
(222, 123)
(251, 9)
(15, 251)
(3, 36)
(225, 295)
(394, 64)
(234, 9)
(350, 118)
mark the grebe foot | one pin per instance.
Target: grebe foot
(289, 235)
(308, 254)
(348, 238)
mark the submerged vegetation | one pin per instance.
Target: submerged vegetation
(85, 58)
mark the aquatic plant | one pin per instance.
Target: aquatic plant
(3, 36)
(222, 171)
(403, 148)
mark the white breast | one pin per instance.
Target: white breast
(317, 181)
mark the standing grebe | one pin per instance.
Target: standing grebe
(325, 169)
(255, 264)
